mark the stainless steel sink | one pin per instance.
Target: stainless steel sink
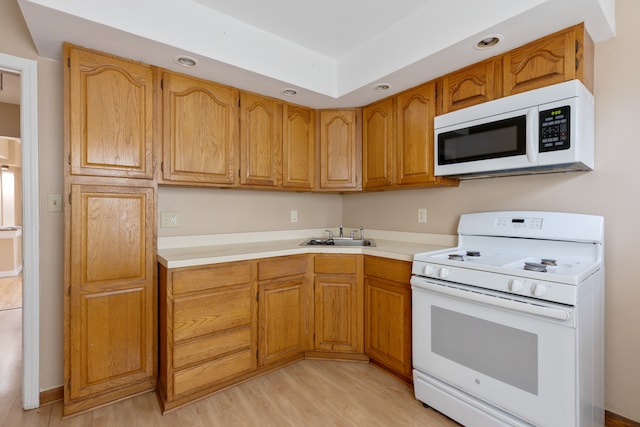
(338, 241)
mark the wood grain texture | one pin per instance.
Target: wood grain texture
(378, 144)
(340, 150)
(298, 147)
(472, 85)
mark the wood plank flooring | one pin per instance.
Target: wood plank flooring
(10, 292)
(307, 393)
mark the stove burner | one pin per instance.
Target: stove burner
(473, 253)
(548, 261)
(456, 257)
(534, 266)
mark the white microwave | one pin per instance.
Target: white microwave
(550, 129)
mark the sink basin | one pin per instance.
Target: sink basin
(336, 241)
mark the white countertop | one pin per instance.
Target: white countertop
(189, 251)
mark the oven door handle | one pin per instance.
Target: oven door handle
(539, 310)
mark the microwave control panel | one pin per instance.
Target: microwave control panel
(554, 129)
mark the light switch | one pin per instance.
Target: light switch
(54, 203)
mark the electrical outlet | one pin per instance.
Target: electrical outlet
(422, 215)
(55, 202)
(294, 215)
(169, 219)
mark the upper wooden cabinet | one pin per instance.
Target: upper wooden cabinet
(110, 115)
(415, 109)
(562, 56)
(199, 131)
(472, 85)
(378, 144)
(260, 141)
(340, 151)
(298, 148)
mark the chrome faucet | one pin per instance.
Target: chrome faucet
(341, 233)
(330, 234)
(361, 228)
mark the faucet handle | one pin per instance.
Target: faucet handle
(361, 228)
(330, 234)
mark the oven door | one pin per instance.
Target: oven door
(513, 356)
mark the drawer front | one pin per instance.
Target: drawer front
(282, 267)
(212, 312)
(209, 373)
(211, 277)
(396, 271)
(211, 346)
(345, 264)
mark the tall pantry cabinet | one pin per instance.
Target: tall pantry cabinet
(110, 340)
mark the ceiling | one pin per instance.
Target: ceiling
(331, 52)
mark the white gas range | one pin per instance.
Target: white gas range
(508, 326)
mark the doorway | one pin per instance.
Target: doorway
(28, 71)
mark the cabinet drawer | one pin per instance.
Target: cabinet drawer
(212, 312)
(336, 264)
(282, 267)
(211, 346)
(207, 374)
(211, 277)
(397, 271)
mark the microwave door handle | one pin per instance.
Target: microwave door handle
(532, 127)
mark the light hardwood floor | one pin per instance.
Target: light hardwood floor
(10, 292)
(307, 393)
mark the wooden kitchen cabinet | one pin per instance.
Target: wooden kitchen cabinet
(340, 150)
(378, 144)
(472, 85)
(110, 115)
(338, 303)
(260, 141)
(298, 148)
(208, 327)
(110, 300)
(387, 314)
(199, 131)
(110, 309)
(559, 57)
(283, 314)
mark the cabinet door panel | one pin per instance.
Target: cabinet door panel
(111, 302)
(298, 148)
(472, 85)
(336, 308)
(339, 150)
(378, 135)
(200, 130)
(388, 324)
(416, 110)
(110, 115)
(283, 314)
(260, 141)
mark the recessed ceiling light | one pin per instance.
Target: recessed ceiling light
(289, 92)
(186, 61)
(381, 87)
(488, 41)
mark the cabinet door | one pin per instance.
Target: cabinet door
(336, 312)
(339, 150)
(260, 141)
(282, 318)
(387, 325)
(110, 312)
(200, 131)
(552, 59)
(298, 148)
(415, 110)
(110, 113)
(378, 144)
(472, 85)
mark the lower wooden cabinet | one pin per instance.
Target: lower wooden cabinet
(387, 314)
(110, 296)
(283, 309)
(338, 303)
(208, 327)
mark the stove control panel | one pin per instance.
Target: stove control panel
(521, 222)
(516, 285)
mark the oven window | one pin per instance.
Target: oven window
(507, 354)
(502, 138)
